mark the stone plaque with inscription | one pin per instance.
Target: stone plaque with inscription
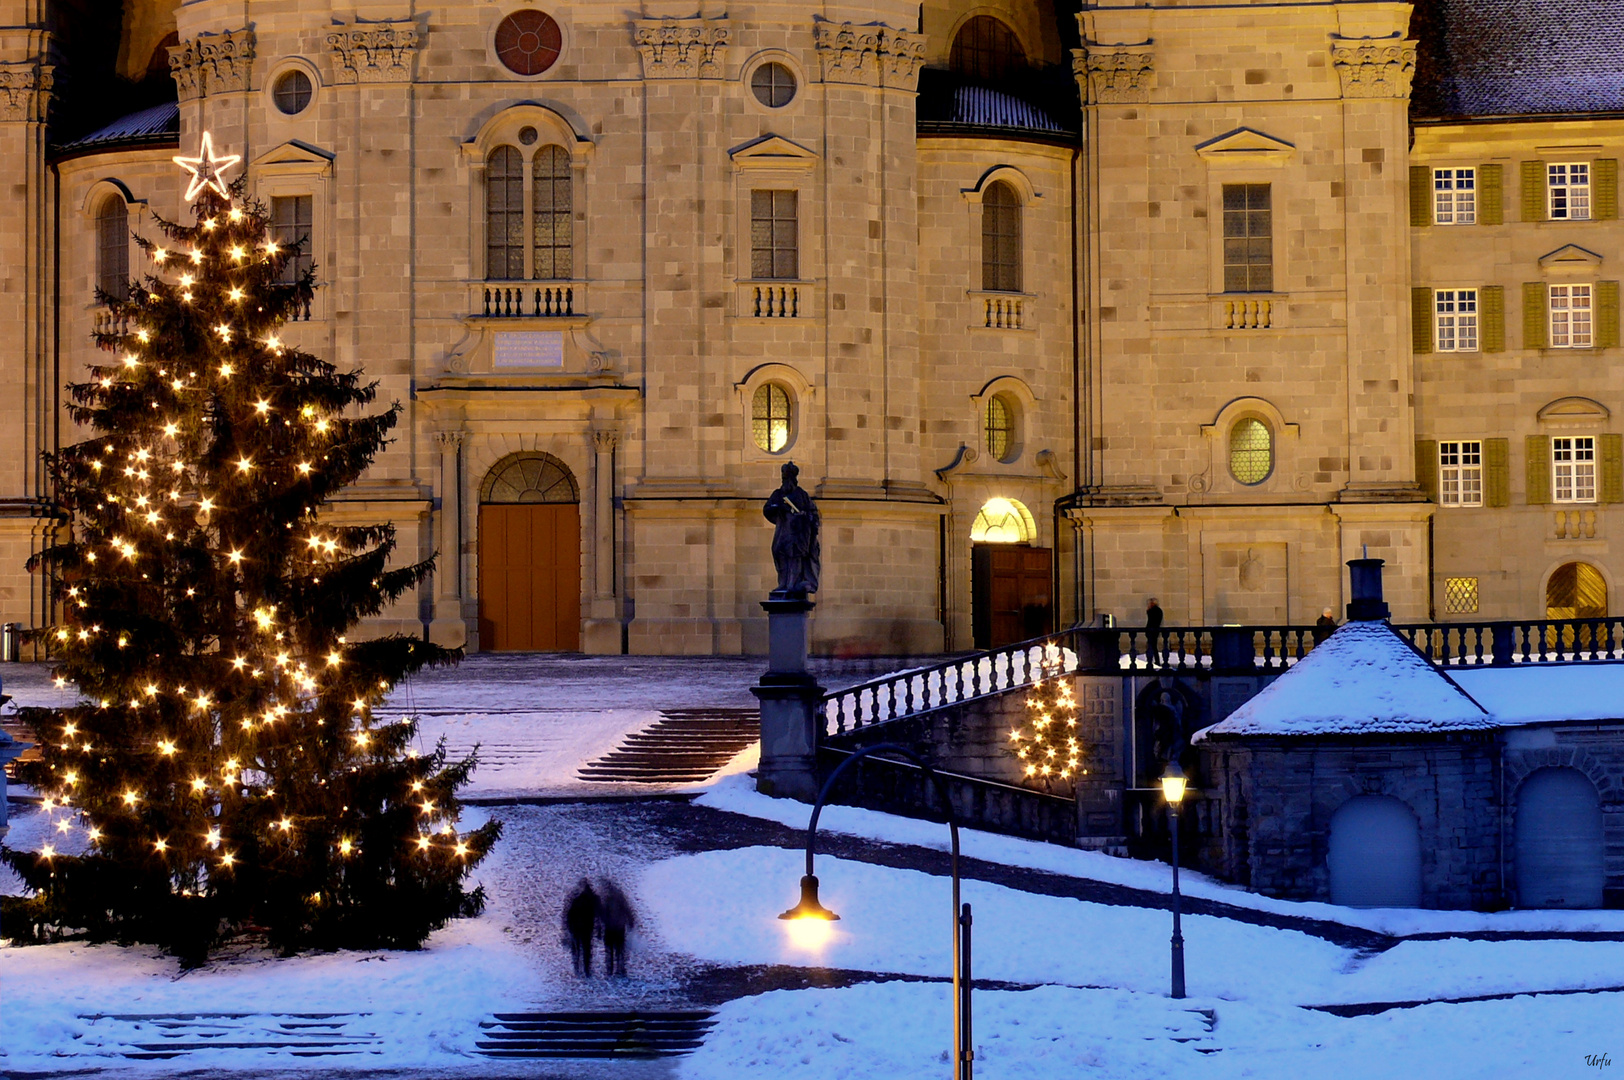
(531, 348)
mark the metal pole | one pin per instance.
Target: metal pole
(1178, 934)
(965, 1039)
(962, 1052)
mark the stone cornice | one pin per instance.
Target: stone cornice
(869, 54)
(682, 48)
(374, 52)
(1374, 67)
(1114, 74)
(25, 91)
(212, 63)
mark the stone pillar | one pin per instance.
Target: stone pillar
(602, 630)
(791, 720)
(448, 627)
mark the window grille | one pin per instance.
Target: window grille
(774, 251)
(113, 248)
(1248, 238)
(504, 215)
(1000, 427)
(292, 223)
(1251, 451)
(1460, 596)
(770, 417)
(552, 212)
(1000, 239)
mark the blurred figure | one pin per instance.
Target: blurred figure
(1153, 632)
(1324, 626)
(617, 919)
(580, 923)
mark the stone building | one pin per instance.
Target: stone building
(1054, 308)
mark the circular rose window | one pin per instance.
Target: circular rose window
(528, 41)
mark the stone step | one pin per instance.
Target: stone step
(683, 746)
(593, 1035)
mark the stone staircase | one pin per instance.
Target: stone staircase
(619, 1035)
(683, 747)
(161, 1036)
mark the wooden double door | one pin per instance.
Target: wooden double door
(1009, 593)
(530, 577)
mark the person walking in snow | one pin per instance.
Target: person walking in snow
(580, 923)
(617, 918)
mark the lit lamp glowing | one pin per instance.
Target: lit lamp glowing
(1173, 786)
(809, 922)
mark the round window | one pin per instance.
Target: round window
(770, 417)
(292, 92)
(1251, 451)
(528, 42)
(773, 84)
(1000, 428)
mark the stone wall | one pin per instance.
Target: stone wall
(1597, 751)
(1278, 799)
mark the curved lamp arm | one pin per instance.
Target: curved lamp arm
(867, 751)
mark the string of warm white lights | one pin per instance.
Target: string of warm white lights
(1047, 744)
(204, 599)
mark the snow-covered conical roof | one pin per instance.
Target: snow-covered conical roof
(1362, 680)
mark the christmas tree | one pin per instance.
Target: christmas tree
(226, 770)
(1047, 745)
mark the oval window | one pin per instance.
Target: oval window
(1251, 451)
(292, 92)
(773, 84)
(528, 42)
(770, 417)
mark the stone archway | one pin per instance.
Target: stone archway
(1375, 853)
(1559, 841)
(529, 556)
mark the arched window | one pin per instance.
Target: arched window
(552, 204)
(771, 417)
(985, 48)
(1251, 450)
(113, 247)
(999, 427)
(1003, 521)
(504, 214)
(1000, 238)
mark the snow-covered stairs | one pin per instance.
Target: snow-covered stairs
(682, 747)
(594, 1034)
(157, 1036)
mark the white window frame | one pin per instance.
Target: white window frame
(1455, 320)
(1460, 472)
(1567, 187)
(1572, 316)
(1454, 196)
(1573, 468)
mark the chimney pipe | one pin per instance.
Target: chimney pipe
(1365, 575)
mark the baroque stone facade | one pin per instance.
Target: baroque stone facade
(613, 242)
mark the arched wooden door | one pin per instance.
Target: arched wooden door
(1576, 590)
(530, 557)
(1559, 841)
(1375, 856)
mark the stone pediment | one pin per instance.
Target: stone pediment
(1570, 257)
(294, 157)
(1574, 410)
(772, 151)
(1246, 146)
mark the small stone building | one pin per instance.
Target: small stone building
(1368, 776)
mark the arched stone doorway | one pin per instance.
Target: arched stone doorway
(529, 556)
(1576, 590)
(1375, 853)
(1009, 577)
(1559, 841)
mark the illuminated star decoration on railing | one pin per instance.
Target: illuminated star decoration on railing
(206, 169)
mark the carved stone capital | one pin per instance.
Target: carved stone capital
(605, 441)
(1374, 67)
(869, 54)
(682, 48)
(449, 441)
(212, 63)
(374, 52)
(1114, 74)
(25, 91)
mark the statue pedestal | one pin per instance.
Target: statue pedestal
(790, 698)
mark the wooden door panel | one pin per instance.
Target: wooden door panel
(530, 577)
(1010, 593)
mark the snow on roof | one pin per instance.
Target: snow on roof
(159, 123)
(1546, 693)
(1362, 680)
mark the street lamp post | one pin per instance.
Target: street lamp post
(1173, 784)
(810, 908)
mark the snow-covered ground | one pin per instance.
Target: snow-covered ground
(1099, 972)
